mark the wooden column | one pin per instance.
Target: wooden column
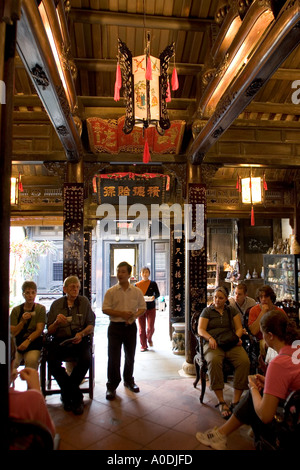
(73, 246)
(195, 257)
(7, 54)
(87, 272)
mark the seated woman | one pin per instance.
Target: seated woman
(30, 404)
(259, 405)
(266, 298)
(27, 322)
(215, 321)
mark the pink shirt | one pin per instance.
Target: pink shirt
(283, 373)
(30, 405)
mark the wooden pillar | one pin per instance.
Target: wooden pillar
(195, 257)
(87, 272)
(7, 54)
(73, 246)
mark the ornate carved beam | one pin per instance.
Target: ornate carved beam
(282, 37)
(35, 51)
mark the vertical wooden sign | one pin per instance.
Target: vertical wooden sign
(177, 277)
(73, 249)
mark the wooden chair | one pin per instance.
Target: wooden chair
(47, 379)
(286, 426)
(29, 435)
(200, 362)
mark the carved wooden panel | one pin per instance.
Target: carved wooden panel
(73, 230)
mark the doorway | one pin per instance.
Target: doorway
(123, 252)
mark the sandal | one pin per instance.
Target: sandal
(224, 409)
(233, 405)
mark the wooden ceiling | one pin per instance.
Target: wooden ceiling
(264, 135)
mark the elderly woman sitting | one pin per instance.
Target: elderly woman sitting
(222, 329)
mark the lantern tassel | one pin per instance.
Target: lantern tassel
(20, 184)
(149, 69)
(168, 95)
(265, 184)
(174, 82)
(118, 76)
(252, 216)
(118, 83)
(146, 155)
(117, 93)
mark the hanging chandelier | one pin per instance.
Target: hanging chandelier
(146, 89)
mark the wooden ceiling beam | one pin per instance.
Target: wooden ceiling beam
(109, 18)
(36, 157)
(276, 161)
(109, 65)
(281, 39)
(274, 108)
(35, 51)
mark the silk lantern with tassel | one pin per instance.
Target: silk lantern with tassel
(146, 90)
(252, 192)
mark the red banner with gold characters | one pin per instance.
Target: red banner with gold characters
(107, 136)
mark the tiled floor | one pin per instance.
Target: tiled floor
(165, 415)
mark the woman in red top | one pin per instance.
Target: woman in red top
(266, 298)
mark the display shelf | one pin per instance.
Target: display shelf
(212, 280)
(212, 275)
(282, 273)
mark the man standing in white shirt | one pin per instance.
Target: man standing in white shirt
(241, 302)
(123, 303)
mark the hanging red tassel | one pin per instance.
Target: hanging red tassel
(118, 83)
(117, 93)
(265, 184)
(174, 82)
(146, 155)
(94, 184)
(238, 184)
(252, 216)
(149, 69)
(20, 184)
(118, 76)
(168, 96)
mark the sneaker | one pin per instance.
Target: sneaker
(212, 438)
(150, 343)
(144, 349)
